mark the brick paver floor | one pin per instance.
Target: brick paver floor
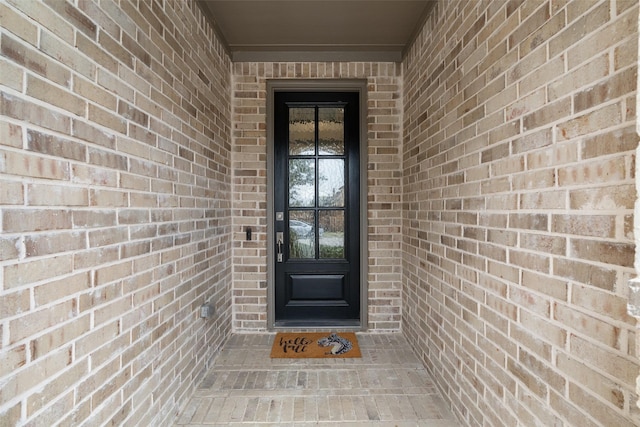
(388, 386)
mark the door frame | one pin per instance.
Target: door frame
(319, 85)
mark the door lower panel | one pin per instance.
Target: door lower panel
(329, 288)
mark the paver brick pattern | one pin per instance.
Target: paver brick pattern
(388, 386)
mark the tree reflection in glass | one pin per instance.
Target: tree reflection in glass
(302, 176)
(331, 182)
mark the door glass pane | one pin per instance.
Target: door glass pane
(331, 183)
(331, 231)
(302, 131)
(331, 131)
(302, 236)
(302, 177)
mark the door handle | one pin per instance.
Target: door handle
(279, 243)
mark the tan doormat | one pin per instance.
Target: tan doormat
(315, 345)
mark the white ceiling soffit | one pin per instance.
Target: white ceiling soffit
(316, 30)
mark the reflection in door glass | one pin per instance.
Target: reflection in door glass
(302, 236)
(302, 177)
(331, 131)
(302, 131)
(331, 227)
(331, 183)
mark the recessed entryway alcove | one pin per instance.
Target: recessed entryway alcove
(500, 162)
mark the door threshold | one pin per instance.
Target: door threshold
(344, 325)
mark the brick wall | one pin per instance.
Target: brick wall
(519, 189)
(384, 184)
(516, 237)
(115, 209)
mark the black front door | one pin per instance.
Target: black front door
(317, 208)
